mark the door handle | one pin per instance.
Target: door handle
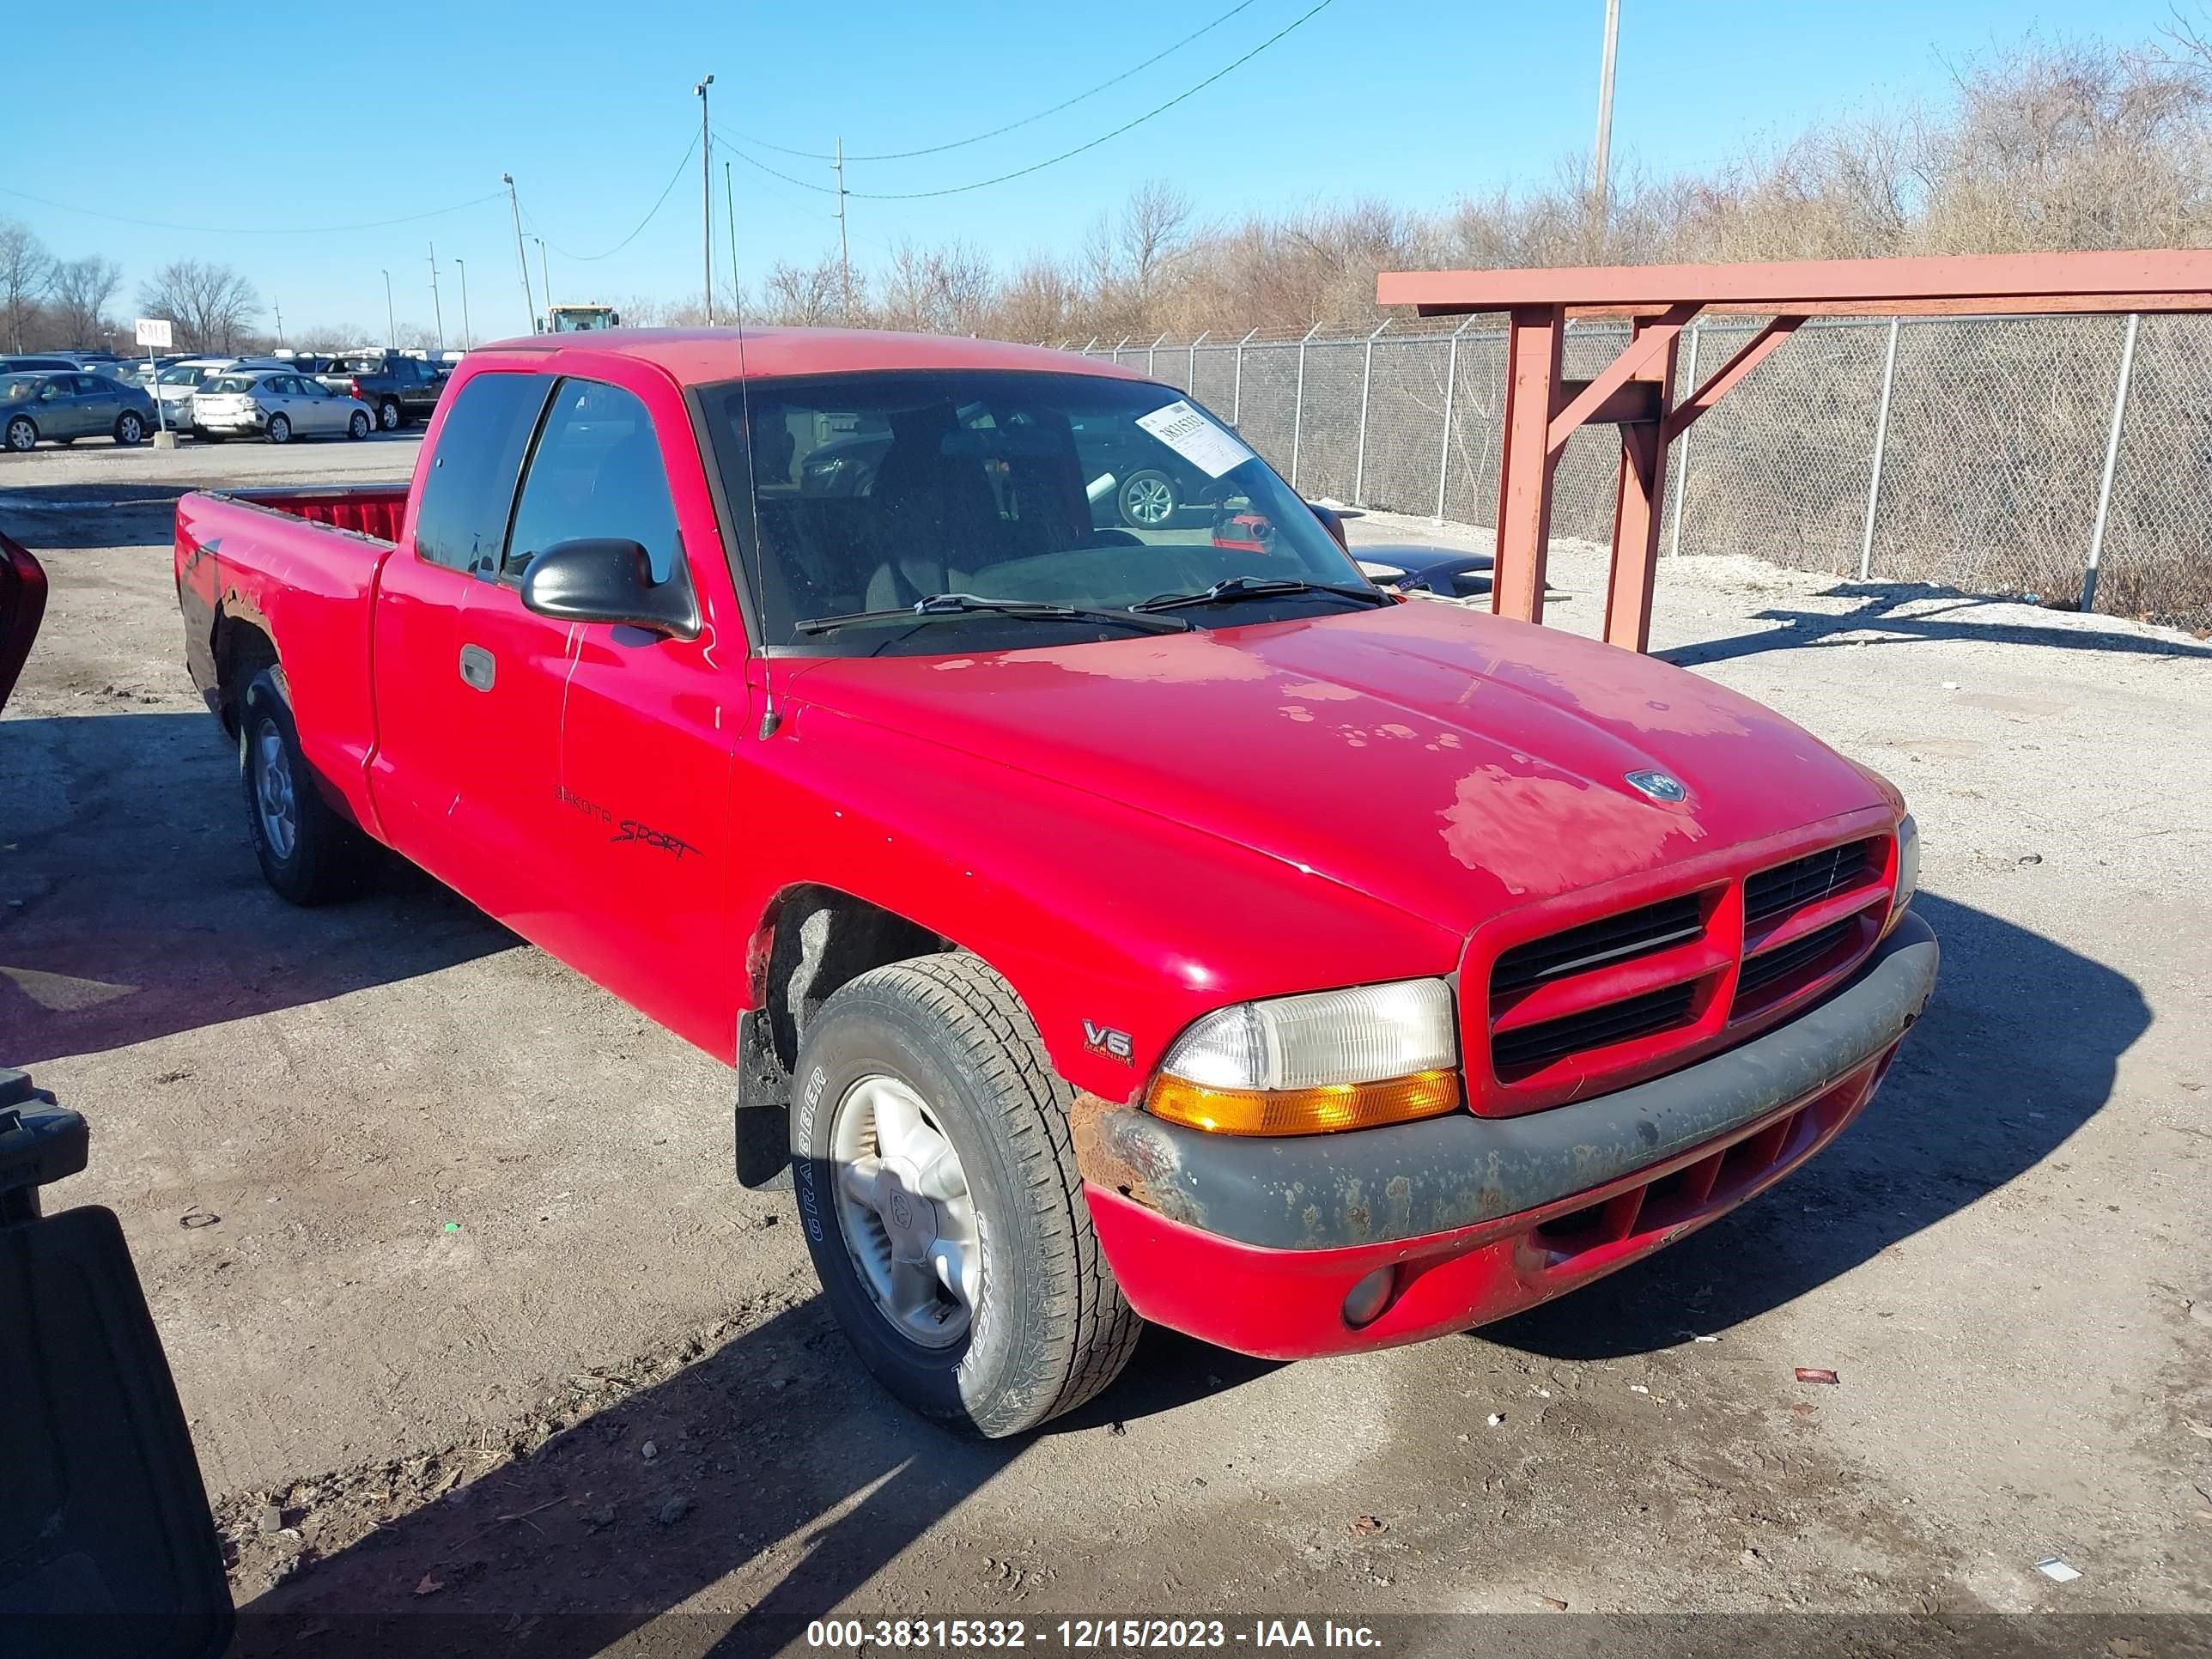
(477, 667)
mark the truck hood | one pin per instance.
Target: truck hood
(1447, 761)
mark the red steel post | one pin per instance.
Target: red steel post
(1533, 343)
(1642, 490)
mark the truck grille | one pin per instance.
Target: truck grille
(1518, 1053)
(1772, 894)
(1626, 996)
(1598, 944)
(1770, 966)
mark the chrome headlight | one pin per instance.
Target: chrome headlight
(1908, 870)
(1300, 1065)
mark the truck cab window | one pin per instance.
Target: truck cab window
(462, 521)
(596, 473)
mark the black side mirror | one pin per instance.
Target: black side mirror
(606, 580)
(1331, 523)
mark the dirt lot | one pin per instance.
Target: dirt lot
(444, 1246)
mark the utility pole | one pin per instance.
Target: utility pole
(730, 200)
(844, 252)
(529, 304)
(707, 196)
(391, 328)
(1602, 196)
(462, 265)
(436, 309)
(545, 270)
(280, 321)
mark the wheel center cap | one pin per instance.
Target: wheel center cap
(907, 1217)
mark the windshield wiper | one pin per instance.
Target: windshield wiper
(1258, 587)
(960, 604)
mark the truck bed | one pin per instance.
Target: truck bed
(375, 510)
(254, 566)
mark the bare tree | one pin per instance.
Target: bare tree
(210, 304)
(81, 290)
(809, 296)
(1155, 227)
(940, 290)
(26, 273)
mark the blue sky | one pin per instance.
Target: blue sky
(267, 123)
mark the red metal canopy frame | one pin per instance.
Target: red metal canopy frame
(1636, 391)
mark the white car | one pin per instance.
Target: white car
(176, 384)
(275, 404)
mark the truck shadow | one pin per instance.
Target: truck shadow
(131, 906)
(1878, 610)
(780, 1481)
(2018, 1049)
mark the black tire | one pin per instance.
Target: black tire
(1052, 1329)
(20, 435)
(357, 424)
(129, 428)
(1148, 499)
(328, 858)
(389, 416)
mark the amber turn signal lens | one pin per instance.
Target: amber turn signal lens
(1304, 1111)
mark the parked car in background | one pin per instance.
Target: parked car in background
(277, 405)
(64, 408)
(176, 384)
(40, 363)
(398, 388)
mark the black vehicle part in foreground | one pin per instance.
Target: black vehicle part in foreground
(105, 1543)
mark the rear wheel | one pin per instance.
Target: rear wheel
(308, 852)
(280, 429)
(22, 435)
(388, 414)
(130, 429)
(357, 424)
(937, 1187)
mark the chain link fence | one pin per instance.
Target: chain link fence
(1992, 454)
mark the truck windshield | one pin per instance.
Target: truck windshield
(859, 496)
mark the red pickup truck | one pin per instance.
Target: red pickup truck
(1106, 923)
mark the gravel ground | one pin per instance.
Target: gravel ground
(443, 1245)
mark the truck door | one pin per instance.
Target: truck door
(468, 685)
(638, 827)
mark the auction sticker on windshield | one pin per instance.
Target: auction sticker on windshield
(1196, 439)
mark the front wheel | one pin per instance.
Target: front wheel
(280, 429)
(357, 424)
(937, 1187)
(308, 852)
(1148, 500)
(129, 429)
(22, 435)
(388, 414)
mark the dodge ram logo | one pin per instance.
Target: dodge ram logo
(1659, 785)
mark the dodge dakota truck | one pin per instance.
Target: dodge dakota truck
(1104, 922)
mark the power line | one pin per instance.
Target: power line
(251, 230)
(962, 143)
(1052, 161)
(791, 202)
(659, 202)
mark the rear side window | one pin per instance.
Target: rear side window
(462, 522)
(597, 473)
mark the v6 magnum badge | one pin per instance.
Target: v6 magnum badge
(1105, 1040)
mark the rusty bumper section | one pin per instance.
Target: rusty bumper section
(1376, 1185)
